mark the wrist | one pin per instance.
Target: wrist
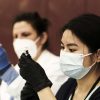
(43, 85)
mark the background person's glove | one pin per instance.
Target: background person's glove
(4, 62)
(7, 72)
(33, 73)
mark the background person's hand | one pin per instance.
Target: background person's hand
(33, 73)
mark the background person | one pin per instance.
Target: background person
(30, 32)
(79, 59)
(7, 72)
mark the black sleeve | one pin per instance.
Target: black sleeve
(95, 95)
(28, 93)
(66, 89)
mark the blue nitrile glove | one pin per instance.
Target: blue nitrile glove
(7, 72)
(4, 62)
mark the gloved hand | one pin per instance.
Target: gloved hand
(4, 62)
(7, 72)
(33, 73)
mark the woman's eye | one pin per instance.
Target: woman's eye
(15, 36)
(62, 47)
(72, 50)
(25, 34)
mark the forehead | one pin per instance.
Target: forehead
(22, 26)
(21, 23)
(69, 37)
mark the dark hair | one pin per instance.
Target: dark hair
(37, 22)
(87, 28)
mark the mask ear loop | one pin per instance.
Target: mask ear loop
(37, 40)
(87, 54)
(93, 63)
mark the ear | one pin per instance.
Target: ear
(98, 55)
(44, 38)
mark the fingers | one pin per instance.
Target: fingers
(24, 57)
(28, 55)
(26, 60)
(22, 60)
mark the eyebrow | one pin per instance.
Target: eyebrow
(70, 44)
(26, 32)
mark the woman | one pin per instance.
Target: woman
(79, 59)
(30, 32)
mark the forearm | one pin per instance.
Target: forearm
(46, 93)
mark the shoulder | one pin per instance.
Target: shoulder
(66, 89)
(96, 94)
(69, 83)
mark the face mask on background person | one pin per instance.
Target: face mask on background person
(21, 45)
(72, 64)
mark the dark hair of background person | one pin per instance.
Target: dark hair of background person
(36, 21)
(87, 28)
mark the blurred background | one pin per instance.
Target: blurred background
(58, 12)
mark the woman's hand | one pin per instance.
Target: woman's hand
(33, 73)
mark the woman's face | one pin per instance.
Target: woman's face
(24, 30)
(71, 43)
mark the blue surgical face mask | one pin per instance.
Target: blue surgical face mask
(72, 64)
